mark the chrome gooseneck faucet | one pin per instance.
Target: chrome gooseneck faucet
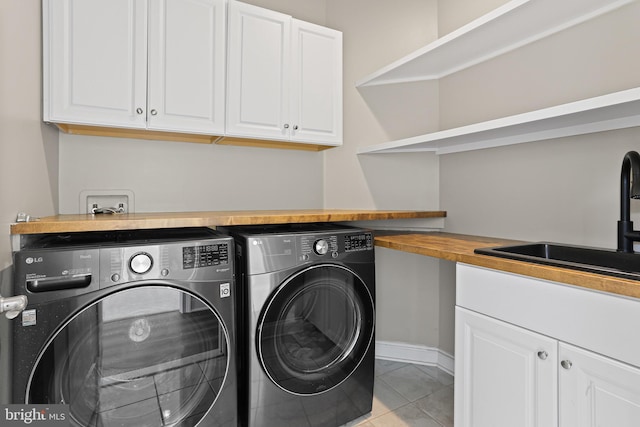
(628, 190)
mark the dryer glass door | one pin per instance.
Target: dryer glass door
(147, 356)
(315, 330)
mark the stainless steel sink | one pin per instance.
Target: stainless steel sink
(595, 260)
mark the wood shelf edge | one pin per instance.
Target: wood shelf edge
(75, 129)
(263, 143)
(88, 222)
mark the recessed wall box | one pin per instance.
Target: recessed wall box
(107, 201)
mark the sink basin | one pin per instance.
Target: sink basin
(595, 260)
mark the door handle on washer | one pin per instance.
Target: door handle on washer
(48, 284)
(12, 306)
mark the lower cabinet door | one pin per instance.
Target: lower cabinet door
(506, 376)
(596, 390)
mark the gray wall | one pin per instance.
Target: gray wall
(170, 176)
(28, 149)
(453, 14)
(375, 34)
(43, 172)
(564, 190)
(174, 176)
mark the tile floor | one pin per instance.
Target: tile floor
(408, 395)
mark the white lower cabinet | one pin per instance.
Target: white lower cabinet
(505, 375)
(596, 390)
(533, 353)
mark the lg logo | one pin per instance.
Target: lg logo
(31, 260)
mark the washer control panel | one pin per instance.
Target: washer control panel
(195, 260)
(78, 263)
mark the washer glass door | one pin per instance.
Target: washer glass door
(315, 329)
(147, 356)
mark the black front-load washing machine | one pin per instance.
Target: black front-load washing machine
(128, 328)
(307, 324)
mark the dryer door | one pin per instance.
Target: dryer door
(315, 329)
(146, 356)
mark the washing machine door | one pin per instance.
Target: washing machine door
(315, 329)
(147, 356)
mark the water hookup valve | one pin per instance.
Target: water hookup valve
(12, 306)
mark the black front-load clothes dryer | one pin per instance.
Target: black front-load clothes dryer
(132, 328)
(307, 314)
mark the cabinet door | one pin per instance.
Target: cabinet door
(597, 391)
(186, 66)
(316, 82)
(506, 376)
(258, 72)
(95, 62)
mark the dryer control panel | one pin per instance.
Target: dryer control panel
(274, 251)
(358, 242)
(318, 245)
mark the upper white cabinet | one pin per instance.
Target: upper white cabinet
(316, 82)
(186, 72)
(258, 72)
(511, 26)
(155, 65)
(284, 78)
(95, 62)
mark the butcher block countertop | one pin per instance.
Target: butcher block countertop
(107, 222)
(459, 248)
(452, 247)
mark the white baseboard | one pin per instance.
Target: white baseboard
(418, 354)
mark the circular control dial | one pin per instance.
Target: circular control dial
(140, 263)
(321, 247)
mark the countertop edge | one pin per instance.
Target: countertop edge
(460, 248)
(105, 222)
